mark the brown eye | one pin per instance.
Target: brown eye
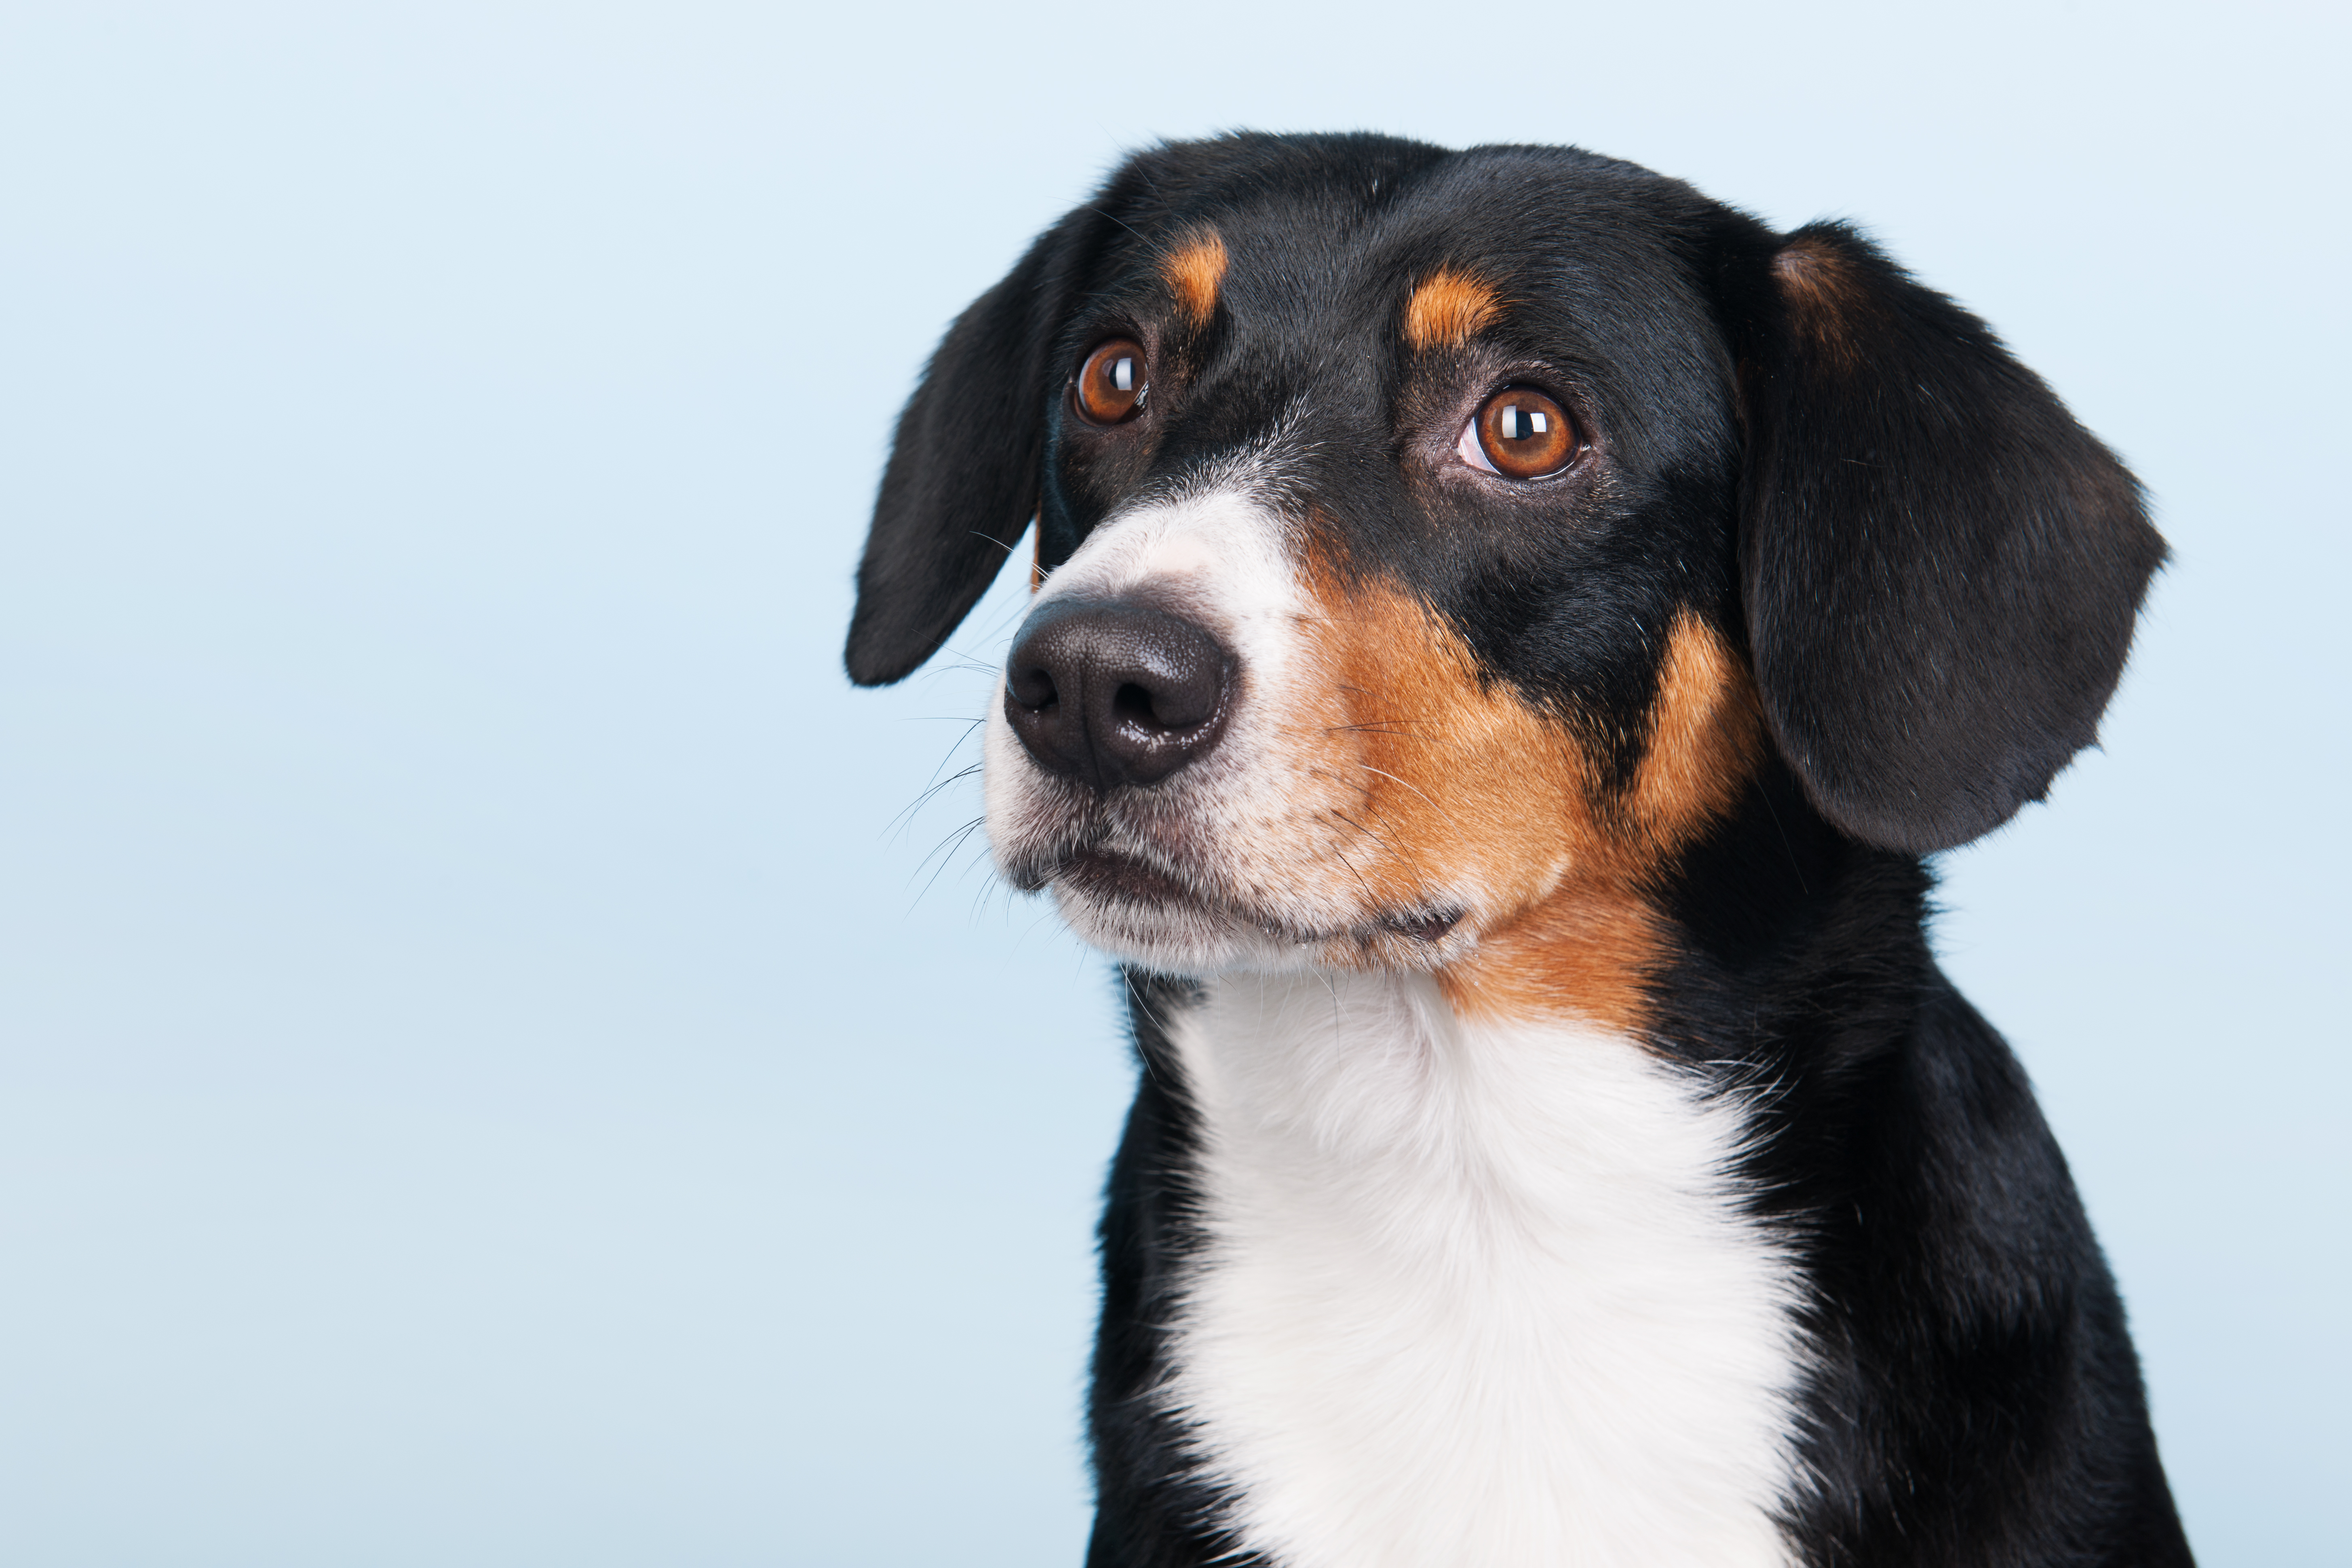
(1521, 434)
(1112, 383)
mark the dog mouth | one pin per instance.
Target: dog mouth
(1425, 928)
(1121, 878)
(1105, 877)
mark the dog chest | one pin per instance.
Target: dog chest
(1472, 1294)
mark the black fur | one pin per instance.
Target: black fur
(1940, 565)
(1976, 1399)
(1149, 1512)
(961, 484)
(1933, 572)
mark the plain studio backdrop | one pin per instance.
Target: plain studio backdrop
(496, 1065)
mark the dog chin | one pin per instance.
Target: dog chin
(1178, 939)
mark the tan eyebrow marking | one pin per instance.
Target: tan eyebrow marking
(1448, 306)
(1194, 269)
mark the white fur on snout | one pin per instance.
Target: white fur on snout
(1239, 823)
(1223, 554)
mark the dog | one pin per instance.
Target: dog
(1507, 629)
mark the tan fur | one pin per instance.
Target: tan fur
(1706, 731)
(1826, 301)
(1194, 269)
(1449, 782)
(1448, 308)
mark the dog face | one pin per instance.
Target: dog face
(1432, 547)
(1416, 485)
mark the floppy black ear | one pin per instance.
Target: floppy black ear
(965, 464)
(1941, 567)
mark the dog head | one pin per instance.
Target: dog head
(1431, 545)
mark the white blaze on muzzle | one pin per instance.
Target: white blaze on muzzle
(1222, 560)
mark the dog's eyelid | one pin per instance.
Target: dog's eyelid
(1467, 448)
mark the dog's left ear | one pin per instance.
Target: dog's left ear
(966, 464)
(1941, 568)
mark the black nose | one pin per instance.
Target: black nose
(1110, 693)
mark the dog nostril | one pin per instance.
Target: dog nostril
(1178, 699)
(1034, 688)
(1132, 703)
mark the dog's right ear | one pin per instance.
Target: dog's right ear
(1941, 569)
(965, 467)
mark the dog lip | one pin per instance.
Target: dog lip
(1101, 874)
(1426, 927)
(1109, 876)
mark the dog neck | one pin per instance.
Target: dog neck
(1472, 1292)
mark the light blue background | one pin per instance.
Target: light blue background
(488, 1076)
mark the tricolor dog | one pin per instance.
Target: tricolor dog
(1506, 630)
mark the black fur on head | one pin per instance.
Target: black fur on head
(1934, 569)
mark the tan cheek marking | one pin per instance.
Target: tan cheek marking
(1706, 733)
(1194, 270)
(1448, 308)
(1590, 948)
(1451, 776)
(1466, 783)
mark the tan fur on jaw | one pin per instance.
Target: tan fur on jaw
(1466, 791)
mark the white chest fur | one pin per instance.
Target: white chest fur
(1474, 1297)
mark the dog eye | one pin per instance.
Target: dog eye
(1521, 434)
(1111, 382)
